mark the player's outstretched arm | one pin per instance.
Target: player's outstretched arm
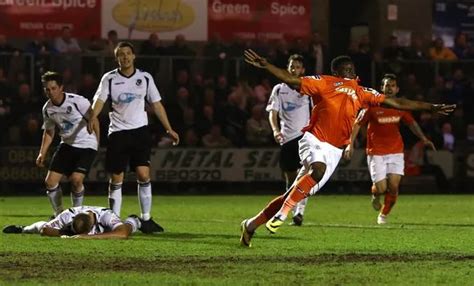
(406, 104)
(120, 232)
(254, 59)
(49, 231)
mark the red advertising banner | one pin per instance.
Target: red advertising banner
(25, 18)
(249, 19)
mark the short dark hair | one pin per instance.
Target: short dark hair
(296, 57)
(52, 76)
(389, 76)
(338, 61)
(81, 223)
(123, 45)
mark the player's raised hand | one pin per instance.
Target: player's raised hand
(444, 109)
(254, 59)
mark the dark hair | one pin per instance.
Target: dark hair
(389, 76)
(338, 61)
(123, 45)
(52, 76)
(296, 57)
(81, 223)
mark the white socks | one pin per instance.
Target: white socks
(144, 197)
(115, 197)
(77, 197)
(55, 196)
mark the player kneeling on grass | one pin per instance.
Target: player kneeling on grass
(83, 222)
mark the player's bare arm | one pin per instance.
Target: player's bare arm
(122, 231)
(406, 104)
(415, 128)
(97, 107)
(48, 135)
(160, 112)
(254, 59)
(350, 147)
(273, 119)
(49, 231)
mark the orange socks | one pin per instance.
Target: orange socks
(388, 203)
(266, 214)
(299, 192)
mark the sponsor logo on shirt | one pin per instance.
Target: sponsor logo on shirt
(69, 109)
(290, 106)
(388, 119)
(66, 125)
(349, 91)
(338, 83)
(126, 97)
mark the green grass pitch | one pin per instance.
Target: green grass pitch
(429, 241)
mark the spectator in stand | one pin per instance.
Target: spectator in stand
(222, 90)
(258, 130)
(461, 48)
(88, 86)
(30, 131)
(180, 48)
(69, 80)
(362, 58)
(416, 50)
(191, 138)
(235, 113)
(40, 46)
(152, 47)
(111, 42)
(429, 126)
(215, 139)
(438, 92)
(439, 52)
(318, 55)
(458, 123)
(470, 134)
(282, 53)
(457, 87)
(411, 87)
(25, 102)
(393, 53)
(448, 137)
(66, 44)
(207, 119)
(216, 50)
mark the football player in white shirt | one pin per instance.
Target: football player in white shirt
(129, 144)
(73, 158)
(289, 112)
(82, 222)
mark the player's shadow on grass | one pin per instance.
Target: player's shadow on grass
(27, 215)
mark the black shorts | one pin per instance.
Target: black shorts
(130, 148)
(289, 156)
(68, 159)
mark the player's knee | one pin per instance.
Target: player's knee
(50, 184)
(76, 183)
(143, 176)
(393, 189)
(317, 171)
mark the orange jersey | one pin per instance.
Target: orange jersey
(336, 104)
(383, 131)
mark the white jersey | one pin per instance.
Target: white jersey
(128, 96)
(70, 119)
(105, 219)
(293, 110)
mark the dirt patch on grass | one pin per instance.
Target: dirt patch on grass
(14, 266)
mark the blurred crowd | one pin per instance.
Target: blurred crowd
(213, 99)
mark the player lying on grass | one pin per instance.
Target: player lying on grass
(83, 222)
(337, 99)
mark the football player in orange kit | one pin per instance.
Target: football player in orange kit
(337, 99)
(385, 147)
